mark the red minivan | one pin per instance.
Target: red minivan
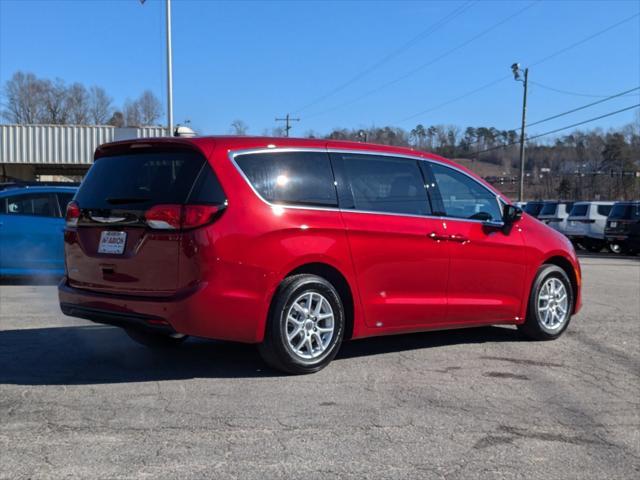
(297, 245)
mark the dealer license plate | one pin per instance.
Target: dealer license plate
(112, 242)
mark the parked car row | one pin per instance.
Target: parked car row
(593, 225)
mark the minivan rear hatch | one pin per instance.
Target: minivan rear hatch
(622, 217)
(127, 234)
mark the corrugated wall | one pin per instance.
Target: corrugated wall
(59, 144)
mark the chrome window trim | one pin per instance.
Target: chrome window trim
(232, 154)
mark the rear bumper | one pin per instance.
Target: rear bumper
(200, 312)
(118, 319)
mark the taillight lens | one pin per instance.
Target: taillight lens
(73, 214)
(174, 217)
(164, 217)
(197, 215)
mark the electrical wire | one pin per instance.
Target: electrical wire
(558, 129)
(553, 117)
(420, 36)
(562, 114)
(565, 92)
(538, 62)
(424, 65)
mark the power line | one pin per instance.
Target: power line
(424, 65)
(420, 36)
(538, 62)
(566, 92)
(553, 117)
(573, 110)
(559, 129)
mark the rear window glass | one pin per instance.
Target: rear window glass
(549, 209)
(604, 209)
(579, 210)
(140, 180)
(291, 177)
(625, 211)
(533, 208)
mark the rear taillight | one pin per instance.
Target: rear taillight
(73, 214)
(175, 217)
(197, 215)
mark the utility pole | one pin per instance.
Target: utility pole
(169, 70)
(169, 73)
(517, 71)
(287, 125)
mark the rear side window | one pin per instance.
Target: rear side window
(625, 211)
(533, 208)
(463, 197)
(549, 209)
(604, 209)
(579, 210)
(207, 189)
(38, 204)
(385, 184)
(302, 178)
(140, 180)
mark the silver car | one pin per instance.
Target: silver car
(555, 214)
(586, 222)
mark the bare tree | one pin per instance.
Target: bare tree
(149, 107)
(117, 119)
(54, 97)
(132, 115)
(100, 108)
(23, 99)
(77, 104)
(238, 127)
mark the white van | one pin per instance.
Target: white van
(586, 222)
(555, 214)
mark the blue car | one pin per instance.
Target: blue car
(31, 229)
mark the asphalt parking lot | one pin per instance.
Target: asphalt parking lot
(82, 400)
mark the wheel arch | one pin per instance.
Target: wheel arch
(569, 269)
(338, 280)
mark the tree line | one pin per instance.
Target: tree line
(592, 164)
(28, 99)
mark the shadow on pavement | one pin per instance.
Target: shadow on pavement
(99, 354)
(21, 280)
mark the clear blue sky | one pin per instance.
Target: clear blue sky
(258, 60)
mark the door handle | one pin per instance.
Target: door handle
(458, 238)
(437, 237)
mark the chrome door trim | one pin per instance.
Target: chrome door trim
(232, 154)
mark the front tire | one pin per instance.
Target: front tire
(550, 304)
(305, 325)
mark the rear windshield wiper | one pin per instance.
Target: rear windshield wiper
(122, 200)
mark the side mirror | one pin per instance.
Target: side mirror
(511, 214)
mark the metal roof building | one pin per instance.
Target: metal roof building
(29, 151)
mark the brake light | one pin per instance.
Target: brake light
(72, 214)
(174, 217)
(197, 215)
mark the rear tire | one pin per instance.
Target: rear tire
(305, 325)
(154, 340)
(615, 248)
(550, 304)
